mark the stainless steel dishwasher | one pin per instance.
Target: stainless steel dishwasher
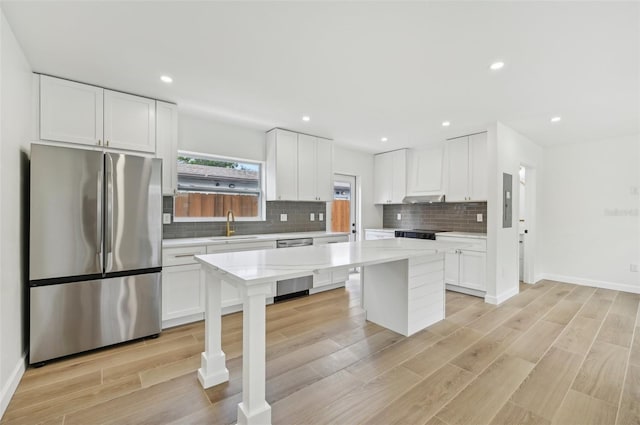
(299, 286)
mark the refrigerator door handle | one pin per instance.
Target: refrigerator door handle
(109, 212)
(99, 220)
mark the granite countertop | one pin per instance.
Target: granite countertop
(463, 235)
(219, 240)
(268, 265)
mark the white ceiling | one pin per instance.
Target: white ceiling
(361, 70)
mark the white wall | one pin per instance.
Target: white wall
(204, 135)
(591, 224)
(360, 164)
(15, 132)
(507, 150)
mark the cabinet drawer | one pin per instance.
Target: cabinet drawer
(181, 255)
(242, 246)
(330, 239)
(472, 244)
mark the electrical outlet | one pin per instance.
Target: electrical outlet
(320, 216)
(166, 218)
(398, 216)
(479, 218)
(283, 217)
(634, 267)
(312, 217)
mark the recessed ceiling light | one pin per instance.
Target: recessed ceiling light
(496, 66)
(306, 118)
(556, 119)
(446, 123)
(384, 139)
(166, 79)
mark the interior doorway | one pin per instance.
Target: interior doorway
(526, 223)
(344, 205)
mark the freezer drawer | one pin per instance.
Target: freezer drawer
(70, 318)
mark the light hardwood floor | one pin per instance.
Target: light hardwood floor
(554, 354)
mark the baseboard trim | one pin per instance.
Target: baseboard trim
(10, 386)
(500, 298)
(590, 282)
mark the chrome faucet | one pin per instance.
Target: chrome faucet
(231, 218)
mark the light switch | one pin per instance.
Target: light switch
(312, 217)
(398, 216)
(283, 217)
(320, 216)
(479, 218)
(166, 218)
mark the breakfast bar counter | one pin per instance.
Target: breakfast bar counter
(402, 290)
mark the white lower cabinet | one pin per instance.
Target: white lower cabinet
(182, 291)
(333, 279)
(465, 269)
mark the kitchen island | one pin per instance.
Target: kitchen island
(402, 290)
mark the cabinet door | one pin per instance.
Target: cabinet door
(70, 112)
(306, 168)
(182, 291)
(167, 144)
(383, 178)
(324, 170)
(399, 176)
(472, 270)
(451, 268)
(129, 122)
(458, 172)
(478, 167)
(424, 174)
(286, 166)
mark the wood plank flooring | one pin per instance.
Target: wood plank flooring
(554, 354)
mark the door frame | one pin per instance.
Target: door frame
(354, 209)
(529, 239)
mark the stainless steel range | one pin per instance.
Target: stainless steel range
(418, 234)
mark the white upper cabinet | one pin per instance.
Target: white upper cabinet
(70, 112)
(129, 122)
(299, 167)
(390, 177)
(167, 144)
(81, 113)
(478, 158)
(424, 172)
(314, 168)
(467, 168)
(282, 165)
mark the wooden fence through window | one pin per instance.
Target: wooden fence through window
(215, 205)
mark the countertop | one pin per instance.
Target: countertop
(463, 235)
(219, 240)
(268, 265)
(384, 230)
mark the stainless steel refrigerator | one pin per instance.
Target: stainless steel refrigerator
(95, 250)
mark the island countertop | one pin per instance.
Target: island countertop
(261, 266)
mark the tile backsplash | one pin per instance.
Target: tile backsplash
(459, 217)
(297, 221)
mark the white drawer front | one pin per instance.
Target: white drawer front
(471, 243)
(330, 239)
(243, 246)
(181, 255)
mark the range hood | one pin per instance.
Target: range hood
(424, 199)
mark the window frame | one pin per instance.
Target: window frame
(262, 203)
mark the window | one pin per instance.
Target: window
(209, 186)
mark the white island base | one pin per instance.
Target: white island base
(402, 290)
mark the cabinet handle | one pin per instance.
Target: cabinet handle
(99, 142)
(185, 255)
(107, 143)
